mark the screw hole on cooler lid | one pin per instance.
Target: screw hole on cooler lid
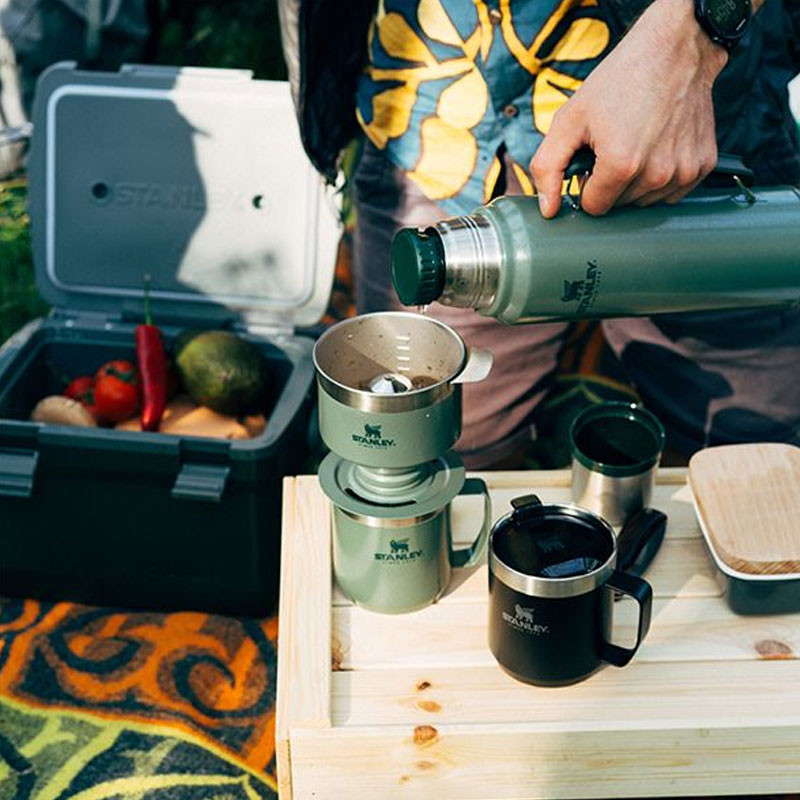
(100, 190)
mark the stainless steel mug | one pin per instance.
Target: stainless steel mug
(361, 360)
(552, 578)
(399, 558)
(616, 448)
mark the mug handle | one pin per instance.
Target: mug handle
(469, 556)
(641, 592)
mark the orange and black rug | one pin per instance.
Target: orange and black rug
(98, 703)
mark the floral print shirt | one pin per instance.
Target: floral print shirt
(450, 82)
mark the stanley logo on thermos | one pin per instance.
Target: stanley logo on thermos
(399, 552)
(585, 290)
(373, 438)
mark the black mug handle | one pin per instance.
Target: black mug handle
(641, 592)
(639, 540)
(728, 168)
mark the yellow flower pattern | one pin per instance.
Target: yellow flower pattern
(450, 81)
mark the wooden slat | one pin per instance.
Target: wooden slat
(574, 759)
(416, 706)
(285, 686)
(484, 695)
(454, 635)
(304, 625)
(682, 568)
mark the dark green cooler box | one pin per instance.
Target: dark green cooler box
(198, 178)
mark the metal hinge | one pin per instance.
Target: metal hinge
(84, 320)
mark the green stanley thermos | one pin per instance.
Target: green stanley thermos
(716, 249)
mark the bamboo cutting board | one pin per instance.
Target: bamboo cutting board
(749, 498)
(414, 706)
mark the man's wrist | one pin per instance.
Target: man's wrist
(713, 54)
(726, 22)
(678, 20)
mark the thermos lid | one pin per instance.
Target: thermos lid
(418, 266)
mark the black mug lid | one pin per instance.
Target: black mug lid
(551, 550)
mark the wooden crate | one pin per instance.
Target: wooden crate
(414, 706)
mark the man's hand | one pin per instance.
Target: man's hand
(646, 112)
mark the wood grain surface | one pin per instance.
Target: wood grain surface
(417, 707)
(749, 499)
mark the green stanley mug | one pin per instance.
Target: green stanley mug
(395, 565)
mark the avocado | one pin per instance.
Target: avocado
(183, 338)
(223, 372)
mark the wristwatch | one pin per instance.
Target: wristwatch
(725, 21)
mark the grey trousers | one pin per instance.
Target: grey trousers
(711, 378)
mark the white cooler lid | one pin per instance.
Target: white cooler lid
(196, 177)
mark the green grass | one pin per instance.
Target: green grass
(234, 34)
(19, 300)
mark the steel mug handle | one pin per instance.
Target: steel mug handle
(478, 366)
(641, 592)
(469, 556)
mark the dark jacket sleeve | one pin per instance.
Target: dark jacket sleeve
(793, 22)
(325, 46)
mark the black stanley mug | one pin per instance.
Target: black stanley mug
(552, 579)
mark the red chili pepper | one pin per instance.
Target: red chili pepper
(152, 359)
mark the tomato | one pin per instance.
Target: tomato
(124, 370)
(80, 387)
(116, 400)
(82, 390)
(117, 391)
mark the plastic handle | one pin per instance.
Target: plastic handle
(469, 556)
(582, 163)
(728, 166)
(525, 507)
(17, 472)
(204, 483)
(731, 166)
(641, 592)
(639, 540)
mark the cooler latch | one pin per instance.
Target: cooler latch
(17, 471)
(203, 482)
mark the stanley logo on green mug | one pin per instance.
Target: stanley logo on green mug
(399, 552)
(373, 438)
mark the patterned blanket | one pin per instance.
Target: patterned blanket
(102, 703)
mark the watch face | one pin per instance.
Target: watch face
(728, 17)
